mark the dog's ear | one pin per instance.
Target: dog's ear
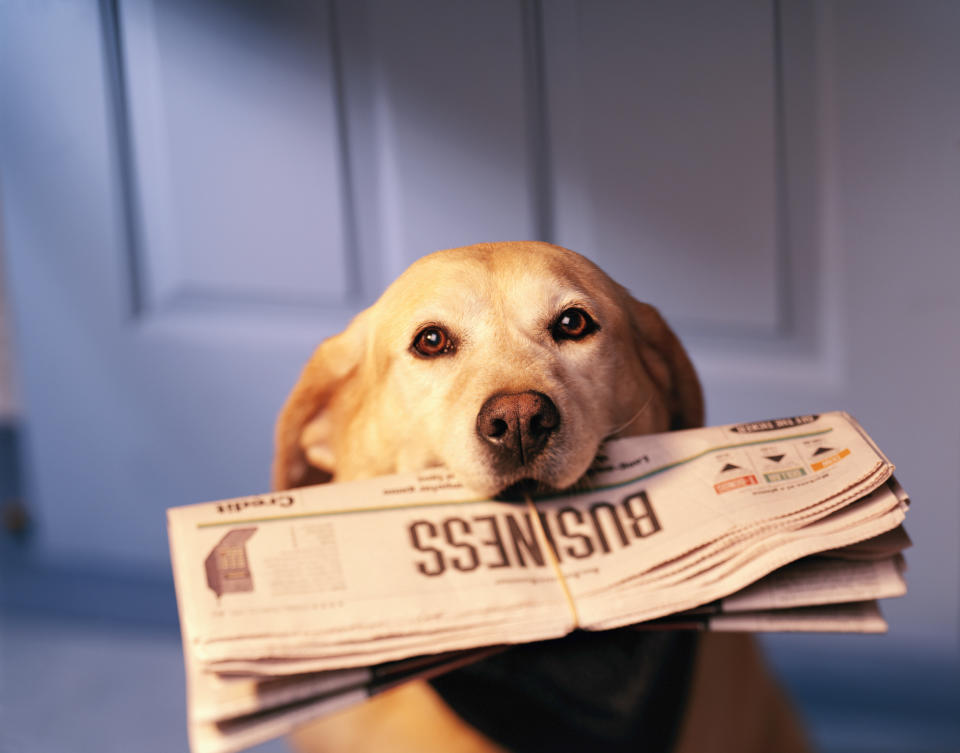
(303, 450)
(668, 364)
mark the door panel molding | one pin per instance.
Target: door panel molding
(236, 155)
(656, 109)
(434, 170)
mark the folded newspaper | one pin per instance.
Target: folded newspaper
(297, 604)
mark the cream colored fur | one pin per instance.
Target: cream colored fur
(367, 404)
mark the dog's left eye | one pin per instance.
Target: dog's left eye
(432, 341)
(573, 324)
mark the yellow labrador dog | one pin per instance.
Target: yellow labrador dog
(510, 363)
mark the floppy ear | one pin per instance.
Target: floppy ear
(303, 450)
(668, 365)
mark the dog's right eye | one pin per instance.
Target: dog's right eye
(432, 341)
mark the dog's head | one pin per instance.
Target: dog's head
(506, 362)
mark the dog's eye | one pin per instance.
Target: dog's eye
(432, 341)
(573, 324)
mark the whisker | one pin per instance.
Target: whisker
(632, 418)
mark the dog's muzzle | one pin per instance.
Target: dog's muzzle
(516, 427)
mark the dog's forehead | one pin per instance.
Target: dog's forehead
(471, 283)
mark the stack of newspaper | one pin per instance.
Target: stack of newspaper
(299, 603)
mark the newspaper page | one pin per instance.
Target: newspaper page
(320, 585)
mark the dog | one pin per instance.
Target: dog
(510, 363)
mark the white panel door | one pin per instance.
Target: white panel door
(783, 180)
(195, 193)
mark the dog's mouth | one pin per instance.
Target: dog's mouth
(530, 487)
(525, 488)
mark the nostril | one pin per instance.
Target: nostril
(498, 427)
(536, 425)
(545, 419)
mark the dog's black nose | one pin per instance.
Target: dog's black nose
(518, 424)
